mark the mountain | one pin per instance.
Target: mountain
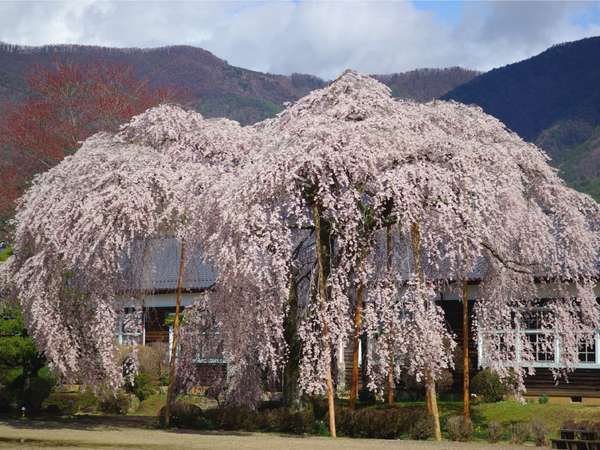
(426, 84)
(211, 86)
(216, 88)
(553, 100)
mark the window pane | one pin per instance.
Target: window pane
(587, 351)
(542, 346)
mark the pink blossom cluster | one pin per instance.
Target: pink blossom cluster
(487, 204)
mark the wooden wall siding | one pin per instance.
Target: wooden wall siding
(157, 336)
(348, 351)
(581, 382)
(453, 312)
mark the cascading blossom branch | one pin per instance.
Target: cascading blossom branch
(364, 161)
(348, 158)
(80, 226)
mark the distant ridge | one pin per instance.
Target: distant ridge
(552, 99)
(426, 84)
(216, 88)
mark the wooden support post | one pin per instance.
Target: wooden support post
(390, 374)
(172, 362)
(322, 300)
(360, 293)
(432, 405)
(465, 345)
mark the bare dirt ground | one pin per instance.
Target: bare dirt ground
(16, 434)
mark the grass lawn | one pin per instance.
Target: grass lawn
(553, 415)
(5, 253)
(151, 406)
(505, 412)
(25, 434)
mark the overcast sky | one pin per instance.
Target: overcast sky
(322, 38)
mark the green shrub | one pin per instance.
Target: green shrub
(143, 386)
(520, 432)
(38, 390)
(379, 423)
(367, 423)
(539, 431)
(118, 403)
(87, 402)
(22, 390)
(25, 381)
(60, 403)
(488, 385)
(319, 407)
(297, 422)
(495, 431)
(366, 396)
(164, 379)
(6, 400)
(459, 428)
(281, 420)
(321, 428)
(286, 421)
(422, 429)
(234, 418)
(203, 423)
(543, 399)
(185, 415)
(70, 403)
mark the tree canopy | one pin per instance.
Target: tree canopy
(346, 194)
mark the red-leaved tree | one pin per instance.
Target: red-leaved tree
(68, 102)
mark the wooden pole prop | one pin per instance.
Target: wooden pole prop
(172, 363)
(430, 393)
(434, 410)
(360, 294)
(322, 299)
(465, 345)
(390, 374)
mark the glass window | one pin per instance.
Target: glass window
(542, 346)
(534, 319)
(587, 350)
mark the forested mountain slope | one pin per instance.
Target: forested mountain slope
(552, 99)
(216, 88)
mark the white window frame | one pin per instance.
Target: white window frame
(557, 350)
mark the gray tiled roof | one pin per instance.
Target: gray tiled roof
(157, 265)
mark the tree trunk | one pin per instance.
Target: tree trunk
(291, 391)
(433, 406)
(415, 236)
(428, 399)
(465, 345)
(172, 363)
(390, 374)
(390, 383)
(360, 292)
(320, 247)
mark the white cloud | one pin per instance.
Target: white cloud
(322, 38)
